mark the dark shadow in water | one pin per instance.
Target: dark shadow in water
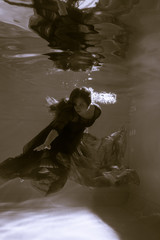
(64, 27)
(75, 42)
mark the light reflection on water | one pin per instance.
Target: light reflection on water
(77, 40)
(68, 214)
(58, 223)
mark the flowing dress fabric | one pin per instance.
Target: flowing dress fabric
(75, 155)
(27, 165)
(100, 162)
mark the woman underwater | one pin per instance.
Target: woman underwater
(63, 150)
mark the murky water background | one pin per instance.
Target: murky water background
(126, 56)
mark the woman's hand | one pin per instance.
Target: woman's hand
(46, 145)
(42, 147)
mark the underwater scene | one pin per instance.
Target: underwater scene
(79, 92)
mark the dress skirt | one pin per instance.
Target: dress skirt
(93, 162)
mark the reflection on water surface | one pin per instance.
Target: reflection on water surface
(82, 35)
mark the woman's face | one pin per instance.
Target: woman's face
(80, 106)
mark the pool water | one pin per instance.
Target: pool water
(109, 46)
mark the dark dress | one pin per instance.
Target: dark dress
(27, 165)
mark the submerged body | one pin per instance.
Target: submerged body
(70, 127)
(71, 153)
(93, 162)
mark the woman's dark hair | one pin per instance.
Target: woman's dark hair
(64, 109)
(83, 93)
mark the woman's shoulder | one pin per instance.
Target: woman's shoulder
(98, 110)
(97, 106)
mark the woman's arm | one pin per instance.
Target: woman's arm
(51, 136)
(46, 145)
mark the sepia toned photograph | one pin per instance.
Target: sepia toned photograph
(79, 120)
